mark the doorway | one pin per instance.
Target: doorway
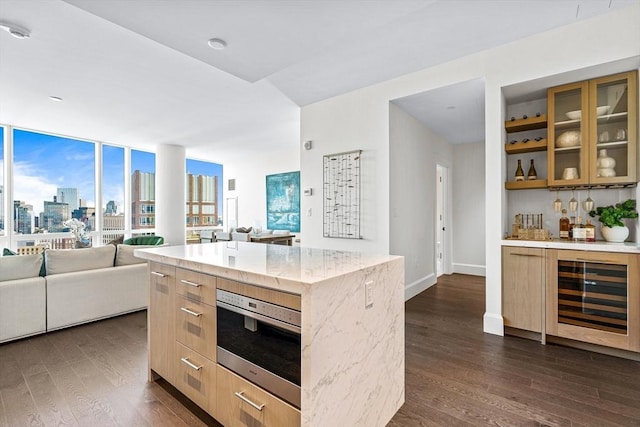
(442, 173)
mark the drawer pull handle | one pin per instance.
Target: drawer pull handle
(186, 361)
(529, 255)
(155, 273)
(186, 282)
(193, 313)
(241, 395)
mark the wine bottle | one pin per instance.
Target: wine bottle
(519, 172)
(572, 223)
(532, 174)
(564, 225)
(579, 231)
(591, 231)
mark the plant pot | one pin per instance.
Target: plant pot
(615, 234)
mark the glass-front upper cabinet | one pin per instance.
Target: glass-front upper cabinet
(592, 132)
(568, 118)
(613, 103)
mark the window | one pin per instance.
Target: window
(112, 189)
(203, 190)
(143, 189)
(1, 181)
(52, 178)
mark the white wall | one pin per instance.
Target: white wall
(250, 171)
(468, 209)
(360, 120)
(414, 153)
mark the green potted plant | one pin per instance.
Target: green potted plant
(613, 229)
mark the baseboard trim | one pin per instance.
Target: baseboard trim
(420, 285)
(472, 269)
(493, 324)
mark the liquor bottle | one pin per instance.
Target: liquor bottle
(564, 225)
(591, 231)
(532, 174)
(519, 172)
(572, 223)
(579, 231)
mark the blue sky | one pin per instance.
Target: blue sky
(42, 163)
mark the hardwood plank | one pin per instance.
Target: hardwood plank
(52, 407)
(20, 408)
(3, 413)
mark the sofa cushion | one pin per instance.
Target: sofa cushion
(20, 266)
(124, 254)
(68, 260)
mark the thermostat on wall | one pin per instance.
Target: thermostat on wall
(307, 191)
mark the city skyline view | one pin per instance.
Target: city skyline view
(43, 163)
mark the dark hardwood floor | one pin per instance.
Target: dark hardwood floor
(95, 375)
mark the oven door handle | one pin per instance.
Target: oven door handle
(271, 321)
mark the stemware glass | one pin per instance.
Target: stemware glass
(557, 203)
(588, 204)
(573, 203)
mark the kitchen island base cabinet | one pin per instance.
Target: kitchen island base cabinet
(196, 377)
(161, 326)
(523, 276)
(242, 404)
(594, 297)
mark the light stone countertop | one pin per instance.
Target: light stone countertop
(352, 347)
(598, 246)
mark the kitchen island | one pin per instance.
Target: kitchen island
(351, 330)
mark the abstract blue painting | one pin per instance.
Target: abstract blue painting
(283, 201)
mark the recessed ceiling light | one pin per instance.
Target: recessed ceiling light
(217, 44)
(15, 31)
(55, 98)
(451, 107)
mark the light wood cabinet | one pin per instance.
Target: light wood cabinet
(161, 325)
(594, 297)
(242, 404)
(585, 118)
(523, 280)
(196, 326)
(518, 145)
(196, 377)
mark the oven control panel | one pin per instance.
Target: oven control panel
(273, 311)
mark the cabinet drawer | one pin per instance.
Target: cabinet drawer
(196, 286)
(196, 326)
(241, 403)
(195, 377)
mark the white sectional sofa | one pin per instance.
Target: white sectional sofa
(80, 285)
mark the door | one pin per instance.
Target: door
(441, 175)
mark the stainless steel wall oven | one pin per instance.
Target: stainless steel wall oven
(260, 341)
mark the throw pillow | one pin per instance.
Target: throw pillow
(124, 254)
(8, 252)
(117, 241)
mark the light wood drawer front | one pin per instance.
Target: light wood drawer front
(196, 326)
(161, 277)
(196, 377)
(236, 398)
(197, 286)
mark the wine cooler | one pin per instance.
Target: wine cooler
(594, 297)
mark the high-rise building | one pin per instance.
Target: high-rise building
(1, 209)
(111, 209)
(22, 214)
(54, 214)
(143, 200)
(70, 197)
(202, 196)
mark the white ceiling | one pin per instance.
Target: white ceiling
(140, 73)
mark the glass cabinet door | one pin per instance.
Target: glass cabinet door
(568, 115)
(612, 105)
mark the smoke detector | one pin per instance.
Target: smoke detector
(15, 31)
